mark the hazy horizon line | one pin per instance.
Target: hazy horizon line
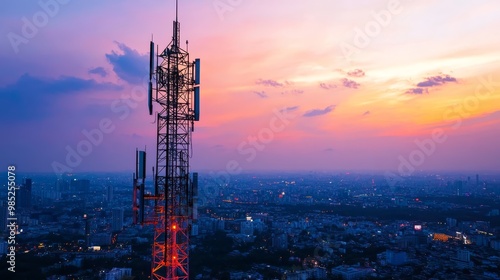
(300, 171)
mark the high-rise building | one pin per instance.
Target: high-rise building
(117, 220)
(3, 216)
(62, 185)
(79, 185)
(87, 230)
(451, 222)
(110, 193)
(24, 195)
(194, 230)
(458, 187)
(220, 224)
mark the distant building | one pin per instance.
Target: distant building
(451, 222)
(481, 240)
(458, 188)
(220, 224)
(409, 241)
(24, 195)
(101, 239)
(351, 272)
(4, 246)
(441, 237)
(319, 273)
(246, 228)
(194, 230)
(401, 201)
(118, 273)
(280, 242)
(3, 216)
(463, 259)
(395, 257)
(117, 220)
(87, 230)
(313, 273)
(62, 185)
(79, 185)
(463, 255)
(110, 193)
(493, 212)
(495, 244)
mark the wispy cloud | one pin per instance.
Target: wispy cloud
(431, 82)
(327, 86)
(98, 71)
(358, 73)
(261, 94)
(366, 113)
(319, 112)
(350, 83)
(294, 91)
(269, 83)
(290, 109)
(417, 91)
(436, 81)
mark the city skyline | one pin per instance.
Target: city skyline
(286, 86)
(267, 226)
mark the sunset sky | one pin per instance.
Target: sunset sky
(286, 85)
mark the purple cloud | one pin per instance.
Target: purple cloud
(327, 86)
(290, 109)
(261, 94)
(417, 91)
(98, 71)
(295, 91)
(270, 83)
(319, 112)
(33, 98)
(436, 81)
(350, 83)
(129, 65)
(356, 73)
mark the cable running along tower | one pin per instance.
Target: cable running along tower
(170, 208)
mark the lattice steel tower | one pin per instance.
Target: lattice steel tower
(174, 79)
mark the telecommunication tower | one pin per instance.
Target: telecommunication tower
(170, 208)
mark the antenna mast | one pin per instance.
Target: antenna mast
(176, 82)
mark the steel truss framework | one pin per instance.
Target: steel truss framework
(173, 191)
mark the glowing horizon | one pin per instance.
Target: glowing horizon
(361, 82)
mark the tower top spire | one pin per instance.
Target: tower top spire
(176, 9)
